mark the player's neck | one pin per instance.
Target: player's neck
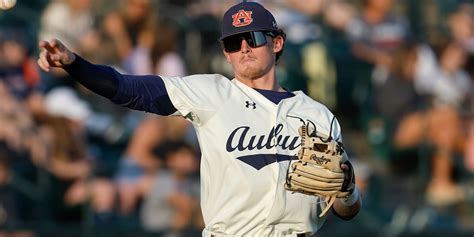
(265, 82)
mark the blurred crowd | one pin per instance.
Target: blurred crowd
(399, 75)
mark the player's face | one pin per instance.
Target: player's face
(255, 57)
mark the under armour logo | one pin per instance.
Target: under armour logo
(249, 104)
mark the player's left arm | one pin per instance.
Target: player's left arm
(346, 207)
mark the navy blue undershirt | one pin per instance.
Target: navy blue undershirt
(275, 96)
(145, 93)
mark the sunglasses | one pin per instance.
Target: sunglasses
(254, 39)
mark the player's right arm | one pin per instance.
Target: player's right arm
(146, 93)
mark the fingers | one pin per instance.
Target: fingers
(52, 54)
(43, 62)
(42, 44)
(56, 44)
(48, 46)
(43, 66)
(54, 47)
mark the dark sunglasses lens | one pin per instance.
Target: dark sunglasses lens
(259, 39)
(232, 44)
(254, 39)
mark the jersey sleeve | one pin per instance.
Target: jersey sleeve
(145, 93)
(198, 97)
(139, 92)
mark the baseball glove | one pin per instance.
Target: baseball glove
(318, 168)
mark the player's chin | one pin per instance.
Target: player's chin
(252, 73)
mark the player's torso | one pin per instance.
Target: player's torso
(247, 145)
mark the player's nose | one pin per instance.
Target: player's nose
(245, 47)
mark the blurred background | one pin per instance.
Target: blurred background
(398, 74)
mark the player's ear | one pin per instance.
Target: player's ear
(278, 42)
(226, 56)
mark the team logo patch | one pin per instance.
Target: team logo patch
(242, 18)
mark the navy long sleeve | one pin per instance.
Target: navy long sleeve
(97, 78)
(146, 93)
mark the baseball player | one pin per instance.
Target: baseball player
(253, 133)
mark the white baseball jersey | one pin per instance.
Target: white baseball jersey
(246, 143)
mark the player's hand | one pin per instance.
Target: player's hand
(349, 178)
(54, 54)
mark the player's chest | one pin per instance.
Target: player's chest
(253, 125)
